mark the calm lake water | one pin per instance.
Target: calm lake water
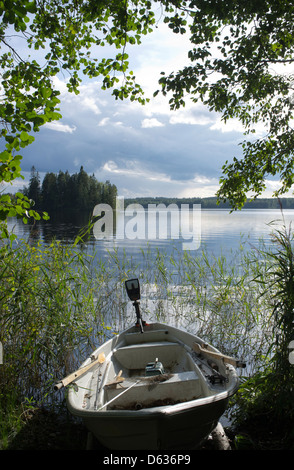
(220, 232)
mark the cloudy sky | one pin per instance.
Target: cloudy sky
(143, 150)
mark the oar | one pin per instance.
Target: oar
(119, 395)
(74, 375)
(230, 360)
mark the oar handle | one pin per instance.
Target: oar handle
(74, 375)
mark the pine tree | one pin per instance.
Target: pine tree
(74, 194)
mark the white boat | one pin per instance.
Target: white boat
(152, 387)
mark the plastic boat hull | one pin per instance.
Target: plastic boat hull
(125, 410)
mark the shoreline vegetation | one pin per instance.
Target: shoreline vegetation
(57, 305)
(64, 193)
(211, 202)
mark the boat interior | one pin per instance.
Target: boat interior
(150, 373)
(149, 366)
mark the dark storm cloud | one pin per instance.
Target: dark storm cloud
(107, 137)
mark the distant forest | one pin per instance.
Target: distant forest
(65, 193)
(211, 202)
(79, 193)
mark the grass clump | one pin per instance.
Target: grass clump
(265, 400)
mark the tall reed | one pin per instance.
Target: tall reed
(46, 299)
(269, 393)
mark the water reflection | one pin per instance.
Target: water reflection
(221, 232)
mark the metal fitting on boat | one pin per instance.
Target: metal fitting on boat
(154, 368)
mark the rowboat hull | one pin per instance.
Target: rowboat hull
(177, 409)
(182, 429)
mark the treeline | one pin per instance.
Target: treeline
(211, 202)
(65, 193)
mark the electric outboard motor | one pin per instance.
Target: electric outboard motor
(133, 291)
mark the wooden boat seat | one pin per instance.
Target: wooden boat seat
(136, 356)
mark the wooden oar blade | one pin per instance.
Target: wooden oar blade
(230, 360)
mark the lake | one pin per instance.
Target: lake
(220, 232)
